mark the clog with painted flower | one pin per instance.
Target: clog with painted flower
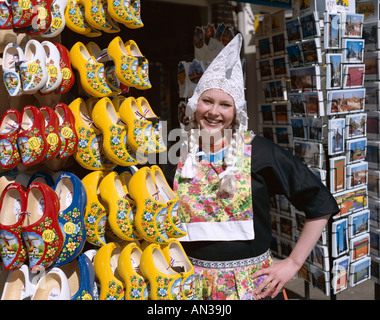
(95, 14)
(23, 13)
(91, 73)
(12, 58)
(174, 228)
(53, 68)
(51, 132)
(73, 200)
(12, 208)
(179, 262)
(40, 228)
(33, 68)
(9, 125)
(68, 77)
(121, 11)
(165, 283)
(74, 17)
(42, 20)
(121, 208)
(88, 152)
(150, 212)
(136, 22)
(58, 21)
(114, 131)
(136, 285)
(6, 20)
(81, 276)
(107, 271)
(96, 215)
(31, 138)
(67, 132)
(142, 75)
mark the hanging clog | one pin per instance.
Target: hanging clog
(53, 68)
(52, 286)
(12, 58)
(9, 125)
(6, 20)
(51, 132)
(68, 77)
(58, 21)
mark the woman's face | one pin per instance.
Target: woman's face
(215, 111)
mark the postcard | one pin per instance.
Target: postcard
(293, 30)
(311, 51)
(356, 150)
(340, 272)
(343, 101)
(339, 238)
(350, 201)
(278, 43)
(278, 22)
(374, 207)
(283, 135)
(287, 227)
(336, 135)
(314, 103)
(372, 97)
(352, 25)
(332, 27)
(264, 71)
(265, 47)
(358, 223)
(371, 61)
(320, 279)
(306, 6)
(373, 154)
(299, 127)
(315, 129)
(295, 55)
(337, 6)
(268, 133)
(280, 67)
(360, 271)
(370, 9)
(308, 152)
(320, 257)
(359, 247)
(334, 71)
(356, 125)
(374, 183)
(282, 113)
(373, 125)
(337, 174)
(310, 25)
(297, 105)
(371, 35)
(305, 78)
(353, 75)
(353, 50)
(357, 174)
(266, 113)
(374, 236)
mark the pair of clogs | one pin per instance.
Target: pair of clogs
(156, 206)
(126, 12)
(169, 272)
(36, 69)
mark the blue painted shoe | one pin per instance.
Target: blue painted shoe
(81, 276)
(73, 200)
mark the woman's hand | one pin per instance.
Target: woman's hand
(277, 275)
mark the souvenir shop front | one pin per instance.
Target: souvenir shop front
(86, 89)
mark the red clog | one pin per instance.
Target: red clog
(40, 228)
(67, 132)
(31, 137)
(42, 21)
(23, 13)
(6, 20)
(68, 77)
(51, 132)
(12, 208)
(9, 125)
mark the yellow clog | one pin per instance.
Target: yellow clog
(150, 212)
(165, 283)
(174, 228)
(106, 269)
(114, 132)
(74, 17)
(121, 11)
(143, 65)
(136, 285)
(179, 262)
(121, 207)
(95, 14)
(96, 215)
(136, 11)
(91, 73)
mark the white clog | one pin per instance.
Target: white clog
(58, 20)
(53, 57)
(53, 285)
(12, 57)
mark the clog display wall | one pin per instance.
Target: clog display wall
(83, 215)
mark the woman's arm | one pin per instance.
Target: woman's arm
(284, 270)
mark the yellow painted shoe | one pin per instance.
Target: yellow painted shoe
(157, 136)
(174, 228)
(117, 101)
(96, 215)
(114, 132)
(165, 283)
(150, 212)
(136, 23)
(121, 208)
(179, 262)
(127, 66)
(139, 128)
(101, 56)
(143, 65)
(95, 14)
(114, 25)
(74, 17)
(91, 73)
(106, 266)
(136, 285)
(88, 151)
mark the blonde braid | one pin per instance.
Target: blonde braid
(227, 178)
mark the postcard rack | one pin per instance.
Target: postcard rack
(323, 118)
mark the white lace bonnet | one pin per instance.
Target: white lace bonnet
(225, 73)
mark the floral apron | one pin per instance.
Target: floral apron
(209, 215)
